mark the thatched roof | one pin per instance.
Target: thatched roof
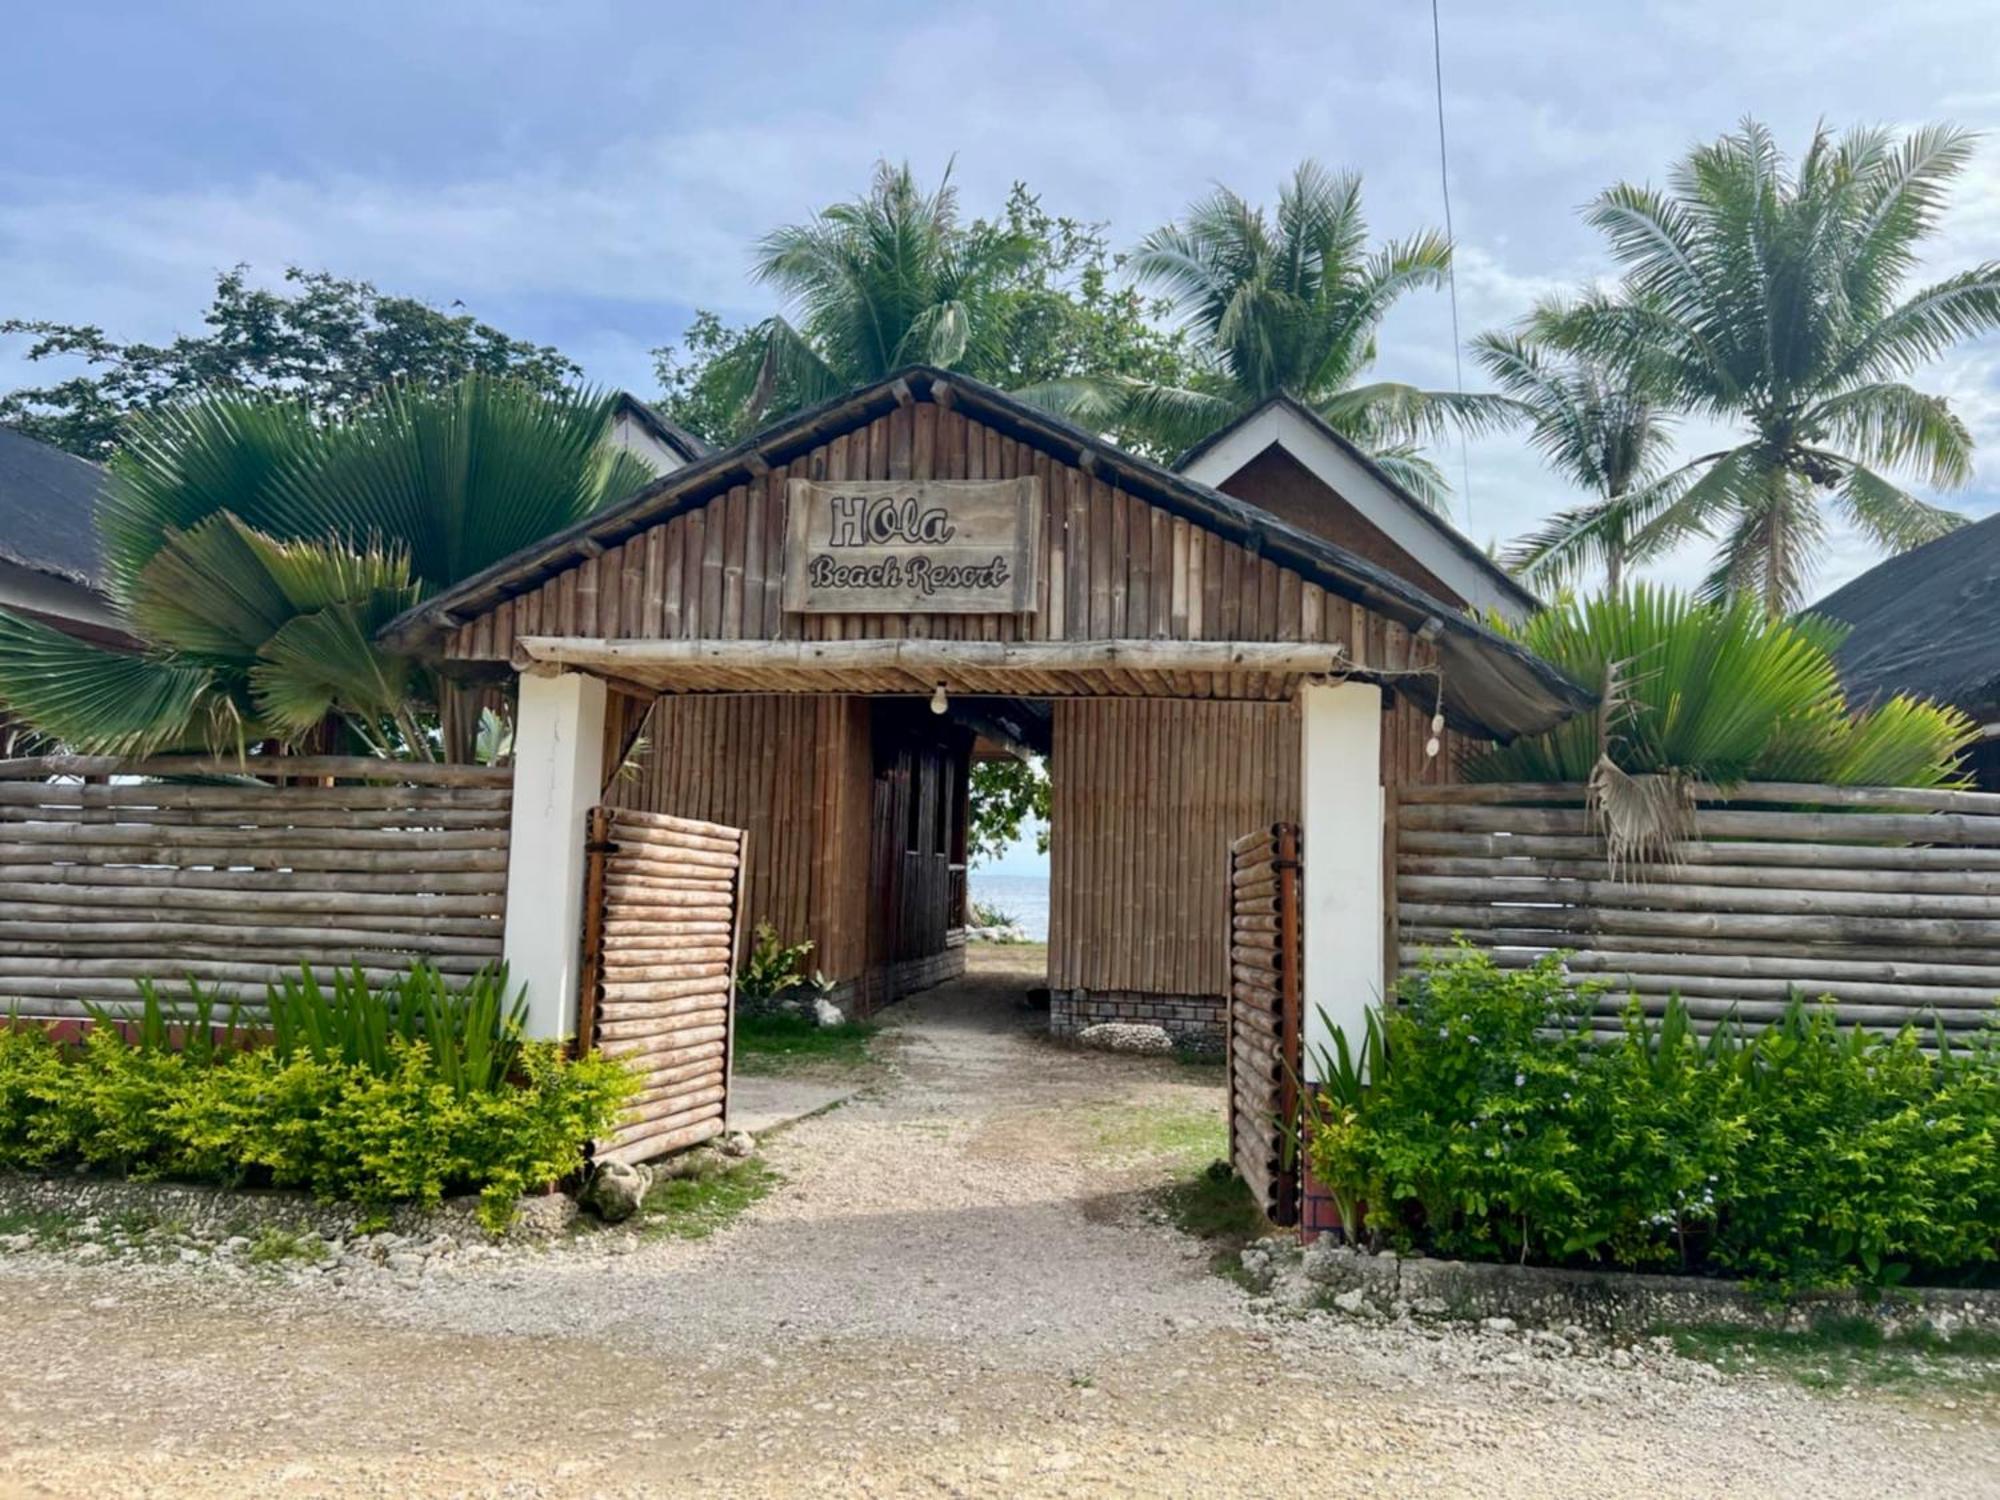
(1926, 623)
(47, 504)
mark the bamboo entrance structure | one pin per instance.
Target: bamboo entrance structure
(1263, 1017)
(663, 901)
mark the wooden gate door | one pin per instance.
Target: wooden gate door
(1263, 1017)
(662, 920)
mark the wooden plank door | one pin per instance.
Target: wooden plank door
(662, 928)
(1263, 1017)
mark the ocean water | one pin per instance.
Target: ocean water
(1023, 897)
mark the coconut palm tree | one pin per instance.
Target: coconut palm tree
(1287, 304)
(1775, 297)
(887, 280)
(255, 550)
(1601, 427)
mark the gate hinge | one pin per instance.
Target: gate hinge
(1286, 864)
(601, 846)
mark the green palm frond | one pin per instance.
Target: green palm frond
(882, 281)
(1888, 514)
(182, 464)
(1716, 693)
(1388, 411)
(1416, 473)
(99, 702)
(1289, 303)
(1891, 425)
(326, 661)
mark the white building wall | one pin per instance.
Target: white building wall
(1340, 794)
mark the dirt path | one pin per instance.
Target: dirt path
(959, 1290)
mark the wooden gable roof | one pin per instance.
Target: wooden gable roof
(1131, 552)
(1351, 500)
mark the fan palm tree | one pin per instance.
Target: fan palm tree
(1775, 297)
(884, 281)
(1287, 305)
(1601, 427)
(255, 551)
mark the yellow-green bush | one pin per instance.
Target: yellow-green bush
(394, 1128)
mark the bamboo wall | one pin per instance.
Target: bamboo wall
(1112, 566)
(1146, 796)
(796, 774)
(234, 882)
(1887, 899)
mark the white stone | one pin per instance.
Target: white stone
(826, 1013)
(1127, 1036)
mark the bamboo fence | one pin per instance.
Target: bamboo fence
(233, 872)
(1886, 899)
(1263, 1015)
(662, 906)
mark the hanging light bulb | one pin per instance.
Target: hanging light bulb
(939, 703)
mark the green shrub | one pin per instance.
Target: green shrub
(31, 1069)
(390, 1121)
(774, 968)
(1800, 1156)
(473, 1031)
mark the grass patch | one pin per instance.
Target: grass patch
(696, 1206)
(1843, 1353)
(778, 1043)
(1184, 1132)
(42, 1223)
(273, 1246)
(1215, 1206)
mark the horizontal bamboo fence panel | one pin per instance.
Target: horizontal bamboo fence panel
(233, 872)
(662, 903)
(1263, 1015)
(1887, 899)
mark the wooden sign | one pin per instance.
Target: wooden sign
(912, 546)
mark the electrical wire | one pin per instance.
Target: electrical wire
(1451, 271)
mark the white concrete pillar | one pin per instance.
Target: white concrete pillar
(558, 769)
(1340, 785)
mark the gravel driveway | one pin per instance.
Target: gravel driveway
(959, 1290)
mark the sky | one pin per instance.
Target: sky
(588, 174)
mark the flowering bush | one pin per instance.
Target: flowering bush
(1799, 1155)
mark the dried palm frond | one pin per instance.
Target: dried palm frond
(1645, 820)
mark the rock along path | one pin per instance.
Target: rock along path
(960, 1289)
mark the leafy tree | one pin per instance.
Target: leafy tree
(1775, 296)
(326, 342)
(1005, 794)
(1287, 304)
(256, 548)
(1599, 425)
(1021, 300)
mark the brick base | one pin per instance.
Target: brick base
(893, 981)
(1191, 1020)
